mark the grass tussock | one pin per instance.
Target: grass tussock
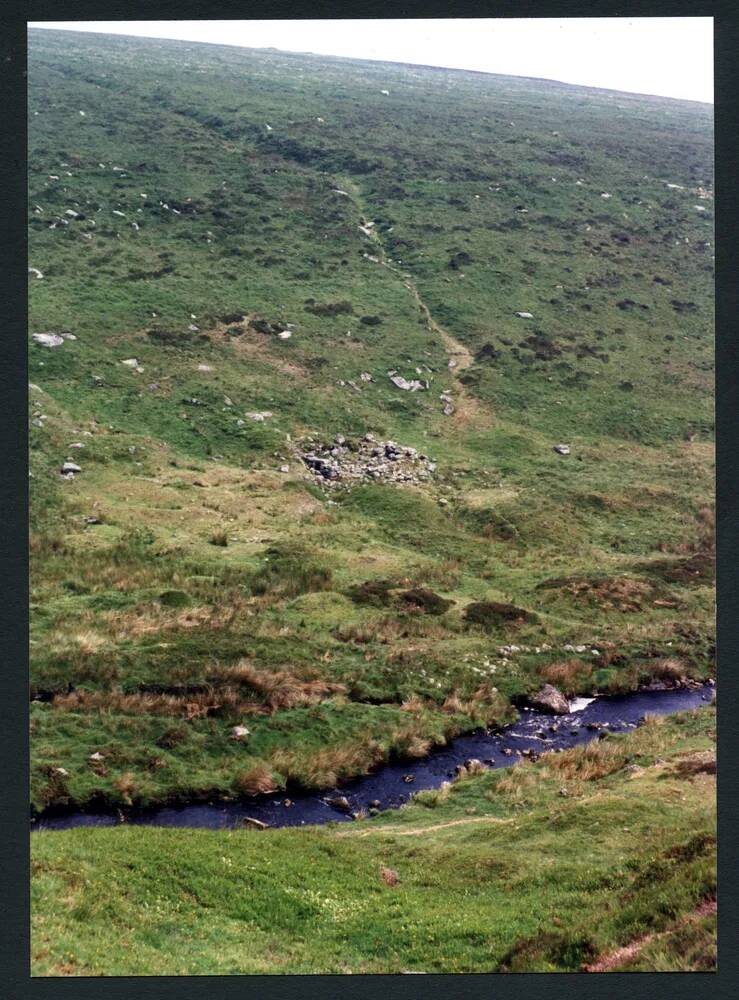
(433, 798)
(258, 780)
(570, 676)
(486, 705)
(192, 705)
(327, 767)
(668, 669)
(125, 785)
(279, 689)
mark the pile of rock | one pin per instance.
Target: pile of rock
(344, 461)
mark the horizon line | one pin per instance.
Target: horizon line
(36, 26)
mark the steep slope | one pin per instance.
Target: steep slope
(248, 248)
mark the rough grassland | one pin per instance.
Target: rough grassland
(601, 854)
(189, 253)
(191, 205)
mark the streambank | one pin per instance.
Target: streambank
(393, 784)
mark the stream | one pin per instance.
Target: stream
(389, 787)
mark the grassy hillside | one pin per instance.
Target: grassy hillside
(265, 237)
(600, 858)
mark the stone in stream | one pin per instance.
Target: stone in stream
(254, 824)
(549, 699)
(340, 802)
(408, 778)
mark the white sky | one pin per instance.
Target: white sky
(666, 56)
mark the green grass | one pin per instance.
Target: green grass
(499, 871)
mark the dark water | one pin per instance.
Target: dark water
(534, 731)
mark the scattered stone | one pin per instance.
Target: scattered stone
(284, 468)
(549, 699)
(525, 315)
(97, 756)
(48, 339)
(258, 417)
(70, 468)
(35, 270)
(412, 385)
(284, 335)
(240, 733)
(205, 368)
(562, 449)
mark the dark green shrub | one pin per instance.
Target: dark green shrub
(174, 599)
(374, 592)
(430, 602)
(492, 614)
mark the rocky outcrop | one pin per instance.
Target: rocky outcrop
(344, 461)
